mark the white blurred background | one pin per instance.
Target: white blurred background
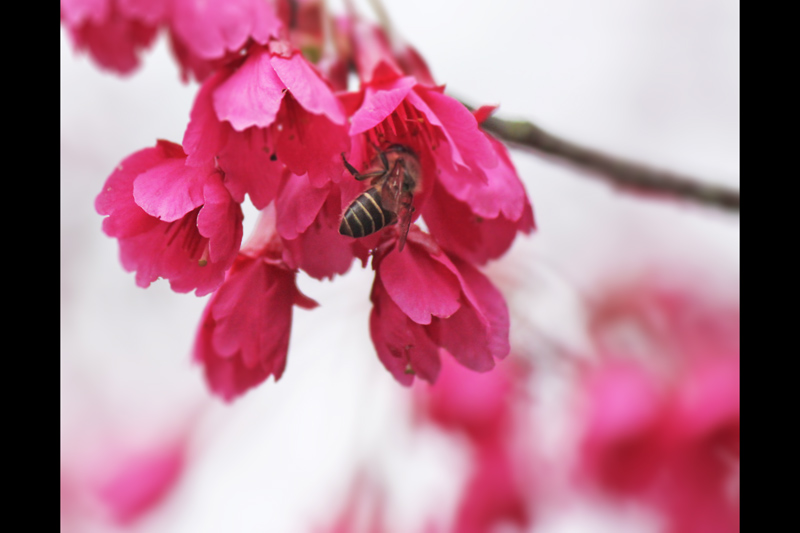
(656, 81)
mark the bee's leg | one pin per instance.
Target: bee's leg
(382, 155)
(360, 177)
(384, 161)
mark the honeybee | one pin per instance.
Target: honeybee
(395, 174)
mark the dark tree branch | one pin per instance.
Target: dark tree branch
(620, 172)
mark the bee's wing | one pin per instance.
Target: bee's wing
(405, 213)
(390, 188)
(396, 202)
(403, 205)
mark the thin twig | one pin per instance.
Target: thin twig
(628, 175)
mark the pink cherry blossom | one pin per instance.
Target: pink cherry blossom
(426, 302)
(267, 124)
(244, 333)
(113, 32)
(470, 195)
(204, 35)
(272, 110)
(172, 220)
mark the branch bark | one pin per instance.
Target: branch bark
(628, 175)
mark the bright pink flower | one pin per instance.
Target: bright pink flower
(172, 220)
(113, 32)
(425, 301)
(288, 113)
(244, 333)
(470, 195)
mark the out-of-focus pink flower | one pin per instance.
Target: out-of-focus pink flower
(103, 480)
(244, 333)
(172, 220)
(479, 404)
(425, 301)
(665, 429)
(492, 412)
(140, 481)
(204, 35)
(495, 497)
(113, 32)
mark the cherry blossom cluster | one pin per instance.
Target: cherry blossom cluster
(275, 120)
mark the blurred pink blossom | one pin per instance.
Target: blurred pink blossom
(665, 429)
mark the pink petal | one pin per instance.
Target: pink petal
(503, 192)
(220, 219)
(227, 377)
(297, 206)
(488, 302)
(468, 235)
(310, 144)
(454, 157)
(320, 250)
(379, 103)
(461, 126)
(252, 311)
(420, 285)
(399, 342)
(251, 167)
(172, 251)
(252, 95)
(307, 87)
(116, 199)
(478, 332)
(170, 190)
(205, 135)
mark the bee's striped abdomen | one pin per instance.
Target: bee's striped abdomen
(365, 215)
